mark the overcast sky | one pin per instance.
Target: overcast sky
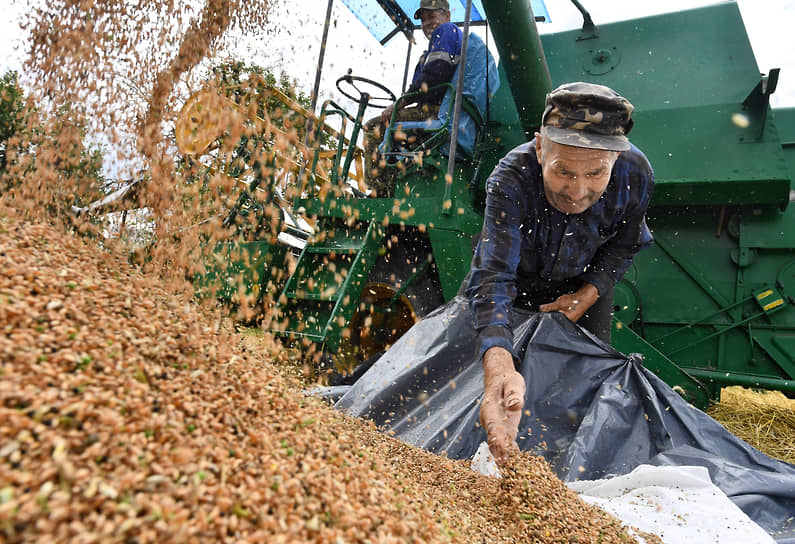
(292, 43)
(769, 24)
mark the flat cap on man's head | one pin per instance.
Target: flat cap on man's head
(432, 4)
(588, 115)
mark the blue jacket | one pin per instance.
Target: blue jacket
(437, 64)
(525, 239)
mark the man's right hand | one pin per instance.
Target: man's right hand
(503, 400)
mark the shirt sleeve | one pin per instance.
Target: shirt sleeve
(615, 256)
(491, 288)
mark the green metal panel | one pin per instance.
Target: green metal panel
(691, 58)
(699, 293)
(769, 228)
(421, 206)
(626, 340)
(785, 122)
(699, 157)
(452, 252)
(233, 268)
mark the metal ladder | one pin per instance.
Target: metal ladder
(320, 296)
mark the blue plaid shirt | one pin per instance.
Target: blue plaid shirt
(525, 241)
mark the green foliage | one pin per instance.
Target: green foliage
(11, 105)
(77, 164)
(47, 150)
(237, 75)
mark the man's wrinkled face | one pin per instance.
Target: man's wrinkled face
(574, 177)
(431, 19)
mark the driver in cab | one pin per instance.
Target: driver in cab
(436, 66)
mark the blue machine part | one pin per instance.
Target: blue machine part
(376, 15)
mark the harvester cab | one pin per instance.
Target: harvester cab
(378, 264)
(710, 304)
(348, 269)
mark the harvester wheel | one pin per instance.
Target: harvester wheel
(204, 118)
(385, 312)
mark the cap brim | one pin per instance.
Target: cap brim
(588, 140)
(419, 11)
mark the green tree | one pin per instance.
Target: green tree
(236, 77)
(11, 106)
(77, 164)
(43, 156)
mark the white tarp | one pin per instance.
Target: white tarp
(679, 504)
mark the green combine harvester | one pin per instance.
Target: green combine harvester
(710, 304)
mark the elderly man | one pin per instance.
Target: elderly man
(565, 215)
(436, 66)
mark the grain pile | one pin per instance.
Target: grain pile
(129, 415)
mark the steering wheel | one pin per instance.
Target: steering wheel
(377, 98)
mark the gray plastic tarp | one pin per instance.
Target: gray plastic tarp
(593, 412)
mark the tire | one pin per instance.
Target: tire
(375, 326)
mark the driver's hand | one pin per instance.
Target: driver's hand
(503, 400)
(386, 115)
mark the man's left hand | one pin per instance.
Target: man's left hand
(574, 305)
(386, 115)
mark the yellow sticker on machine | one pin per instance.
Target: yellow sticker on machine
(764, 294)
(773, 304)
(770, 305)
